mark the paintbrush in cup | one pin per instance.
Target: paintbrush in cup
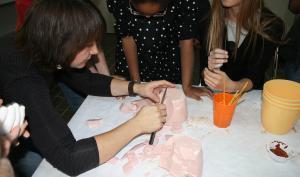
(224, 85)
(238, 94)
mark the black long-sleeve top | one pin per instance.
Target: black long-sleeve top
(252, 59)
(21, 82)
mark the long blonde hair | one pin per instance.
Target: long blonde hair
(250, 18)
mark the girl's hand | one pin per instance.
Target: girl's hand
(150, 118)
(216, 58)
(196, 92)
(215, 80)
(152, 89)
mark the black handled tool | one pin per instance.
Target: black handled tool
(161, 102)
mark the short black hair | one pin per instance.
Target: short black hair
(54, 31)
(163, 3)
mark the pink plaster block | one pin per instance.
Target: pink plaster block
(167, 137)
(113, 161)
(94, 123)
(132, 162)
(176, 107)
(128, 107)
(181, 156)
(135, 106)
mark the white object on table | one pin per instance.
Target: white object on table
(237, 151)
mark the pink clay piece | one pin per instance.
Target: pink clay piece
(167, 137)
(176, 107)
(135, 106)
(132, 161)
(180, 156)
(94, 123)
(113, 161)
(128, 107)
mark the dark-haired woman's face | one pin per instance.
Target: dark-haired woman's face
(148, 9)
(84, 56)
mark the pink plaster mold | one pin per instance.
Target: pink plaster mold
(176, 107)
(179, 155)
(182, 156)
(135, 106)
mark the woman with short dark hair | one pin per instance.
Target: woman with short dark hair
(57, 39)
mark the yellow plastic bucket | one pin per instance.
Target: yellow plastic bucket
(278, 119)
(280, 99)
(283, 90)
(282, 103)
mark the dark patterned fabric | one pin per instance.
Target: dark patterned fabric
(157, 38)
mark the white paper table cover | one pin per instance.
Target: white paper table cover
(237, 151)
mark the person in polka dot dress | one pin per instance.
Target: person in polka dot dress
(155, 40)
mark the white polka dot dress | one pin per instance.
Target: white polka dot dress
(157, 38)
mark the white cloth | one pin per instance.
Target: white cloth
(237, 151)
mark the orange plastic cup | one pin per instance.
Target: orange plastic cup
(223, 113)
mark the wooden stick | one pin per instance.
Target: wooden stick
(224, 84)
(237, 96)
(234, 96)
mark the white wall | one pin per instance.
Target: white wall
(101, 4)
(280, 8)
(8, 18)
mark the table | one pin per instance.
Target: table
(237, 151)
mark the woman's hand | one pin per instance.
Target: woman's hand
(216, 58)
(12, 136)
(18, 131)
(152, 89)
(151, 118)
(196, 92)
(215, 80)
